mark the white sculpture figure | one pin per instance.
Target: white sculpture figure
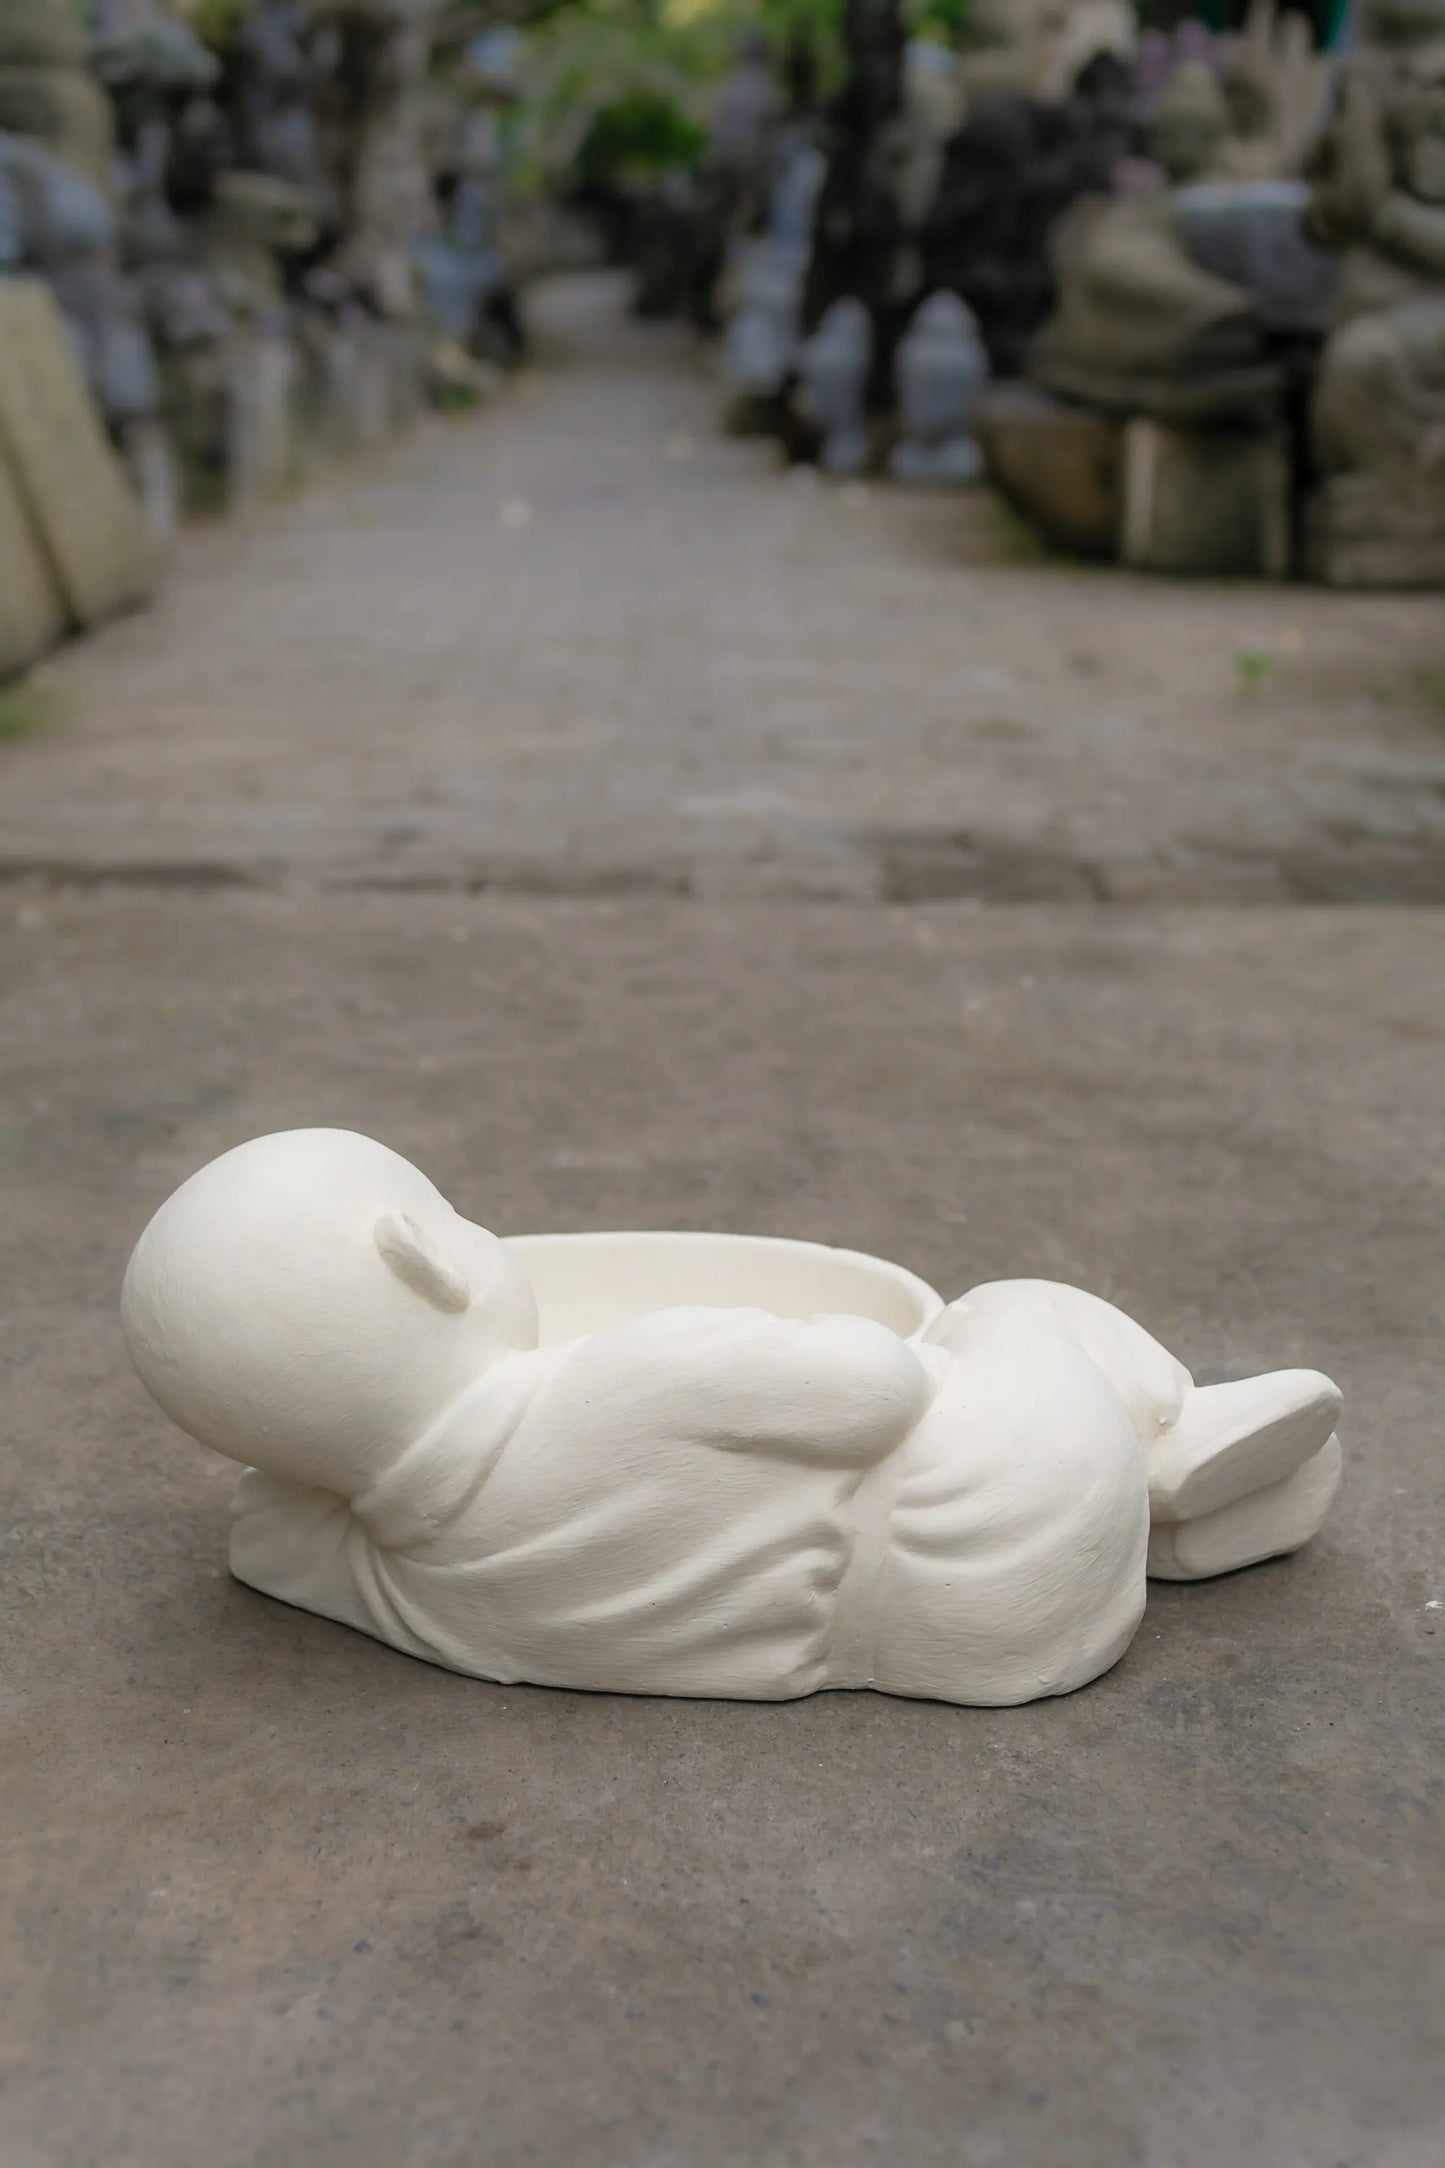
(939, 371)
(708, 1500)
(834, 365)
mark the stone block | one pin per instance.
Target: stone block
(150, 461)
(1366, 530)
(1209, 503)
(67, 475)
(363, 384)
(1057, 464)
(262, 431)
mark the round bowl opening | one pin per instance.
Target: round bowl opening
(584, 1283)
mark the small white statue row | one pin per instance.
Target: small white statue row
(526, 1461)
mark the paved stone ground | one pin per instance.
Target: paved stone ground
(278, 1896)
(675, 677)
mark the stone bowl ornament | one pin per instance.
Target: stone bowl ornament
(690, 1463)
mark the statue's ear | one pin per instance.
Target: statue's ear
(415, 1258)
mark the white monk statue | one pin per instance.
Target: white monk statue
(724, 1498)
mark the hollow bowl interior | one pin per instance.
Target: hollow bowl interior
(585, 1282)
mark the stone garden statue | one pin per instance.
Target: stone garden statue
(939, 370)
(1379, 197)
(835, 364)
(767, 278)
(66, 233)
(1134, 306)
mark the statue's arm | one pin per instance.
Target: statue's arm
(840, 1391)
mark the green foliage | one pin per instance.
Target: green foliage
(26, 707)
(214, 21)
(609, 80)
(1013, 540)
(633, 80)
(1252, 668)
(636, 135)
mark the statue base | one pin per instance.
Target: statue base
(1374, 530)
(1207, 503)
(1057, 463)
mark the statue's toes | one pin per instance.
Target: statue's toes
(1266, 1524)
(1233, 1440)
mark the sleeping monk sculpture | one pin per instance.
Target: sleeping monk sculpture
(639, 1463)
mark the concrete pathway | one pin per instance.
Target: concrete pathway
(588, 645)
(330, 837)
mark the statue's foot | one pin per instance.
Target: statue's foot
(1248, 1472)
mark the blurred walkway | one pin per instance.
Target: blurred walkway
(583, 643)
(272, 1896)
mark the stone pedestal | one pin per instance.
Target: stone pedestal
(1056, 463)
(1369, 530)
(364, 383)
(264, 397)
(1205, 502)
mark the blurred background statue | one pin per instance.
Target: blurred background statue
(1379, 408)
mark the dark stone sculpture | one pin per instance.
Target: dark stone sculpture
(857, 228)
(1009, 174)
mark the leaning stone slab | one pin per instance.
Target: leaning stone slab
(64, 471)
